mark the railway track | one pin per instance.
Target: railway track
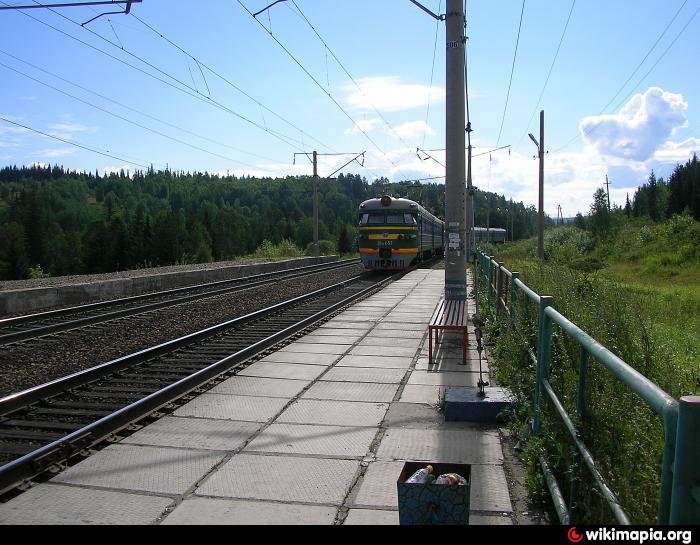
(34, 326)
(41, 428)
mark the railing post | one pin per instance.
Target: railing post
(513, 298)
(685, 498)
(492, 273)
(544, 354)
(499, 285)
(580, 415)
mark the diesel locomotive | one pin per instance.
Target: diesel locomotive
(396, 233)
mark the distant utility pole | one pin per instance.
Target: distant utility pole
(540, 152)
(560, 215)
(607, 184)
(314, 160)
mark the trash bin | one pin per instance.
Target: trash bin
(438, 504)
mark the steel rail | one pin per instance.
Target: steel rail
(241, 283)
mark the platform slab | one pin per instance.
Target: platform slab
(148, 469)
(338, 413)
(296, 371)
(372, 517)
(387, 362)
(229, 407)
(341, 441)
(363, 350)
(449, 446)
(352, 391)
(194, 433)
(444, 378)
(422, 393)
(331, 339)
(308, 348)
(299, 357)
(260, 386)
(54, 504)
(364, 374)
(215, 511)
(282, 478)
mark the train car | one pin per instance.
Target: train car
(482, 234)
(396, 233)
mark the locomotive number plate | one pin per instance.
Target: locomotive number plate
(385, 243)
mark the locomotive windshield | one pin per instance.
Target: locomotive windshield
(400, 218)
(372, 218)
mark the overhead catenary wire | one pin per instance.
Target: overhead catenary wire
(135, 123)
(549, 74)
(105, 153)
(320, 86)
(139, 112)
(512, 71)
(226, 80)
(432, 76)
(663, 33)
(181, 86)
(347, 73)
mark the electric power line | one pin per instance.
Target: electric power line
(432, 74)
(106, 153)
(512, 70)
(201, 64)
(126, 106)
(108, 112)
(188, 90)
(330, 96)
(637, 69)
(549, 74)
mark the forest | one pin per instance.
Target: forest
(57, 222)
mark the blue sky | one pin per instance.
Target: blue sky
(217, 93)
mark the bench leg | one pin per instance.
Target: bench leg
(430, 346)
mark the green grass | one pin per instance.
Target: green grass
(639, 295)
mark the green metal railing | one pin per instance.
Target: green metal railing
(679, 497)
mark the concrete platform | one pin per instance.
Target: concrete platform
(316, 433)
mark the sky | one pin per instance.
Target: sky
(204, 86)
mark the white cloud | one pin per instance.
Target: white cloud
(412, 129)
(67, 129)
(677, 152)
(640, 128)
(113, 169)
(56, 152)
(388, 93)
(366, 125)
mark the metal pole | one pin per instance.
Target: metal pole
(315, 246)
(540, 231)
(685, 500)
(455, 186)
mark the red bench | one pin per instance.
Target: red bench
(450, 316)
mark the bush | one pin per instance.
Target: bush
(268, 250)
(325, 247)
(623, 434)
(38, 272)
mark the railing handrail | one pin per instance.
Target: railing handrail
(654, 396)
(679, 501)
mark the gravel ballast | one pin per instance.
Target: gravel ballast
(27, 365)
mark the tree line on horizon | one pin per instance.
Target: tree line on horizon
(56, 221)
(656, 200)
